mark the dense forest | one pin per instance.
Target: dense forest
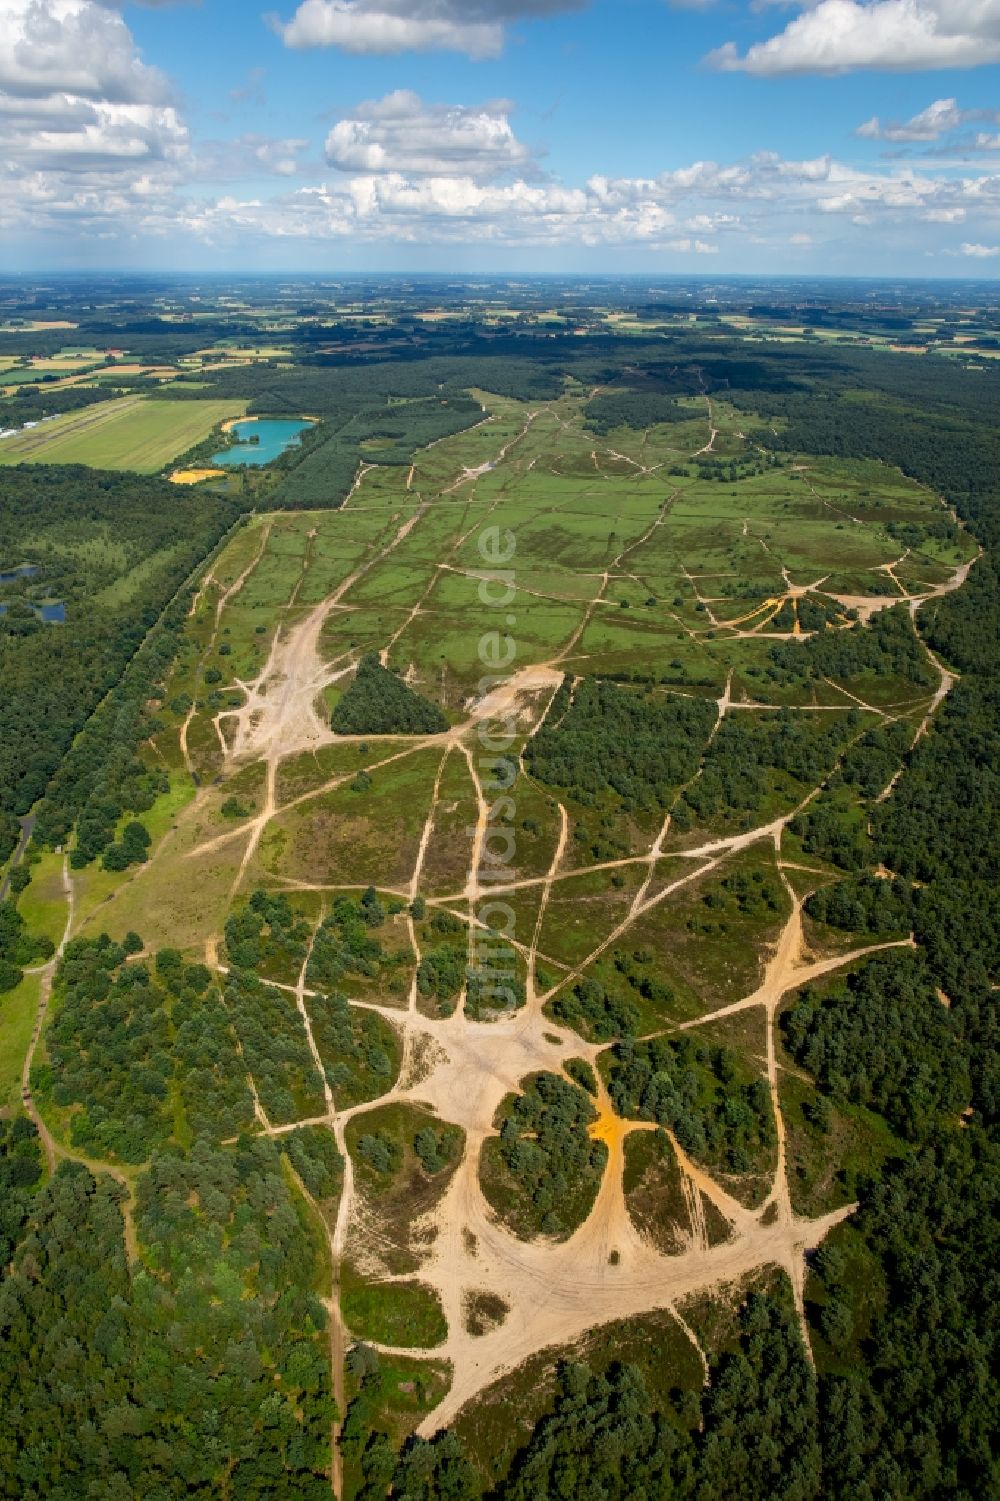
(882, 1039)
(887, 648)
(543, 1165)
(204, 1373)
(139, 1054)
(115, 548)
(637, 409)
(602, 737)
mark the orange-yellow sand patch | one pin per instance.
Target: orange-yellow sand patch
(194, 476)
(612, 1130)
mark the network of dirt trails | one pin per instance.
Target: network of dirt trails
(576, 529)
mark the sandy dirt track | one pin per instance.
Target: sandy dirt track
(606, 1270)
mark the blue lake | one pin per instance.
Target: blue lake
(25, 571)
(273, 434)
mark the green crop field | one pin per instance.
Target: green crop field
(127, 433)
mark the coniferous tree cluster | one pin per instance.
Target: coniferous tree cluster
(717, 1114)
(378, 702)
(601, 736)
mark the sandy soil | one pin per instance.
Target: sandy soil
(606, 1270)
(194, 476)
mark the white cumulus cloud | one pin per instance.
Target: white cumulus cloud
(90, 142)
(475, 27)
(929, 125)
(75, 47)
(75, 95)
(401, 133)
(694, 210)
(834, 36)
(940, 118)
(65, 133)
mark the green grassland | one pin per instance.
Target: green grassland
(126, 433)
(704, 538)
(357, 837)
(17, 1021)
(43, 903)
(406, 1314)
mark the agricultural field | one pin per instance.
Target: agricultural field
(128, 432)
(501, 963)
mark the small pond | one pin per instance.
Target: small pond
(53, 613)
(261, 440)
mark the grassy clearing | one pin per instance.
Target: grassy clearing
(449, 851)
(585, 909)
(18, 1009)
(178, 899)
(406, 1314)
(655, 1197)
(603, 1003)
(42, 904)
(404, 1160)
(357, 834)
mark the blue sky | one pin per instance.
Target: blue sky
(846, 137)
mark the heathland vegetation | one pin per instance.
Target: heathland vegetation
(290, 1199)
